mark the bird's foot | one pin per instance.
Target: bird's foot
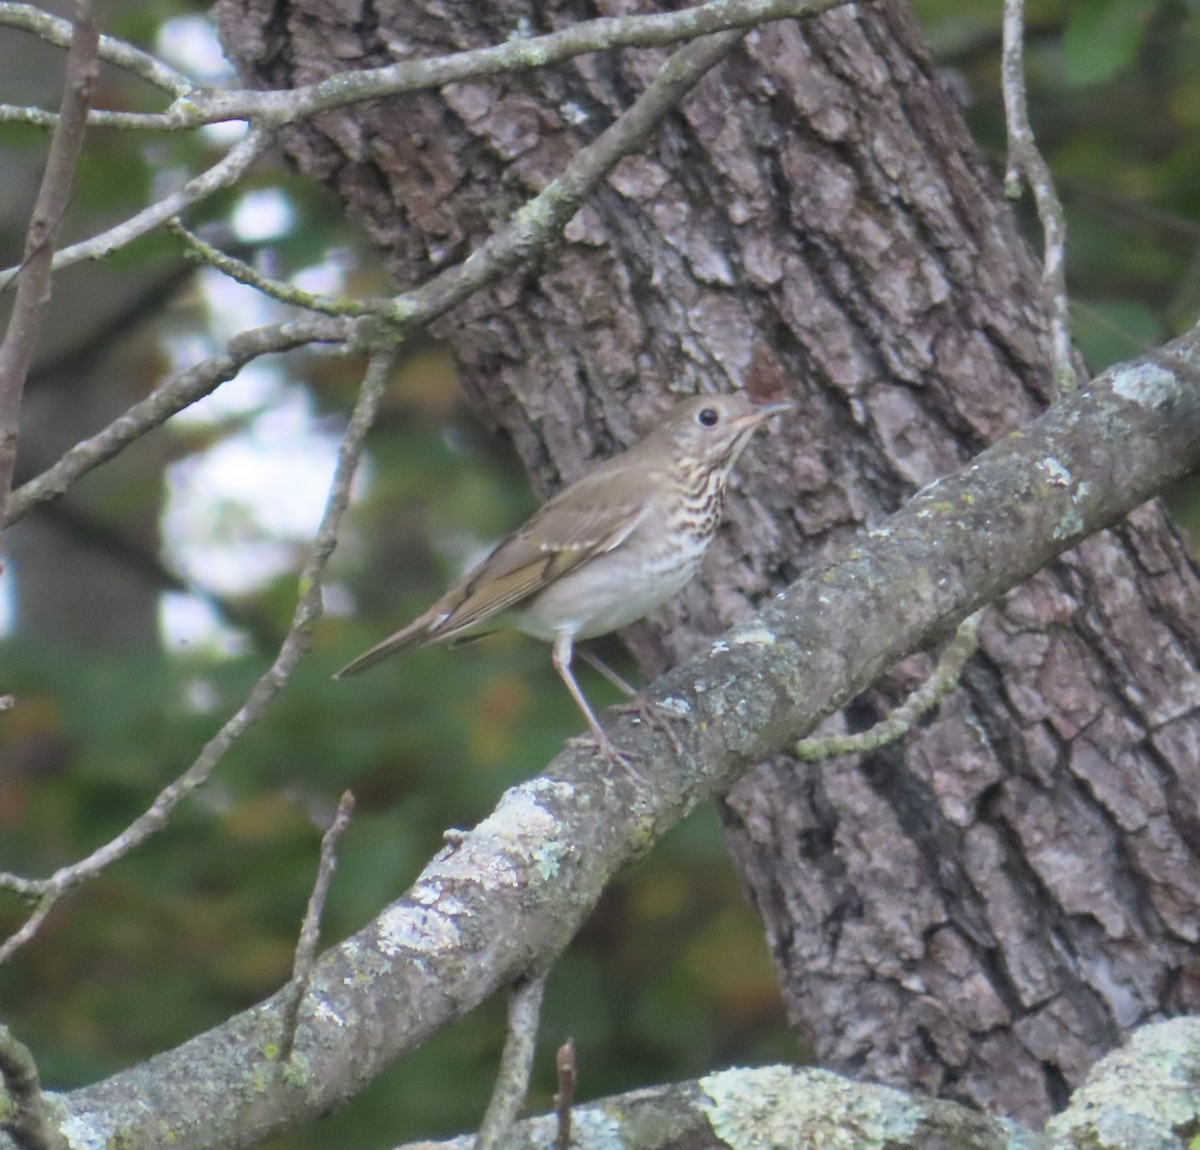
(654, 716)
(598, 740)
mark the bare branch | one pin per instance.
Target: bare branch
(792, 1106)
(542, 218)
(1138, 1097)
(294, 647)
(1026, 163)
(34, 274)
(512, 1079)
(276, 108)
(518, 54)
(221, 175)
(532, 228)
(241, 272)
(172, 397)
(112, 50)
(310, 929)
(27, 1115)
(21, 114)
(512, 891)
(564, 1096)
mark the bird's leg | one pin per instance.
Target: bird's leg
(645, 710)
(563, 647)
(598, 664)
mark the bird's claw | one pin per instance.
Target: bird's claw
(599, 741)
(654, 716)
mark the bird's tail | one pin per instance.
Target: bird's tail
(420, 631)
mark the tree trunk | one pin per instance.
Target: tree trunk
(986, 910)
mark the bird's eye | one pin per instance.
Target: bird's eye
(707, 417)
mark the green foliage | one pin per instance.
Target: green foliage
(1103, 38)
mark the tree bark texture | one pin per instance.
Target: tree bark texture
(986, 910)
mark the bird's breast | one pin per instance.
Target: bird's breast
(612, 590)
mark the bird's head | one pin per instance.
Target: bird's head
(711, 430)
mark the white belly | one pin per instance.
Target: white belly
(608, 592)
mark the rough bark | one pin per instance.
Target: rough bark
(985, 912)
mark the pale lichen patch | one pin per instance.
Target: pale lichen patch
(82, 1133)
(1141, 1095)
(1057, 474)
(753, 637)
(675, 705)
(1145, 384)
(790, 1109)
(416, 928)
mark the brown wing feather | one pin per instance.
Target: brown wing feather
(553, 541)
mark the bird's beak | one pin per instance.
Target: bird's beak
(760, 414)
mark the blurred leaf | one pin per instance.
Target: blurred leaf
(1103, 38)
(1108, 331)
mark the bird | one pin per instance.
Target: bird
(602, 553)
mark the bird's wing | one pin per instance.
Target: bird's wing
(593, 516)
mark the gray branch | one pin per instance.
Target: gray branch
(509, 895)
(195, 107)
(1138, 1098)
(113, 50)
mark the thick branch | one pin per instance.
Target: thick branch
(768, 1106)
(508, 896)
(1141, 1096)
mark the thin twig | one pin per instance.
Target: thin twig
(517, 54)
(542, 218)
(1026, 163)
(27, 1116)
(310, 929)
(564, 1096)
(182, 391)
(112, 50)
(295, 645)
(944, 679)
(512, 1079)
(532, 227)
(285, 106)
(223, 174)
(241, 272)
(34, 274)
